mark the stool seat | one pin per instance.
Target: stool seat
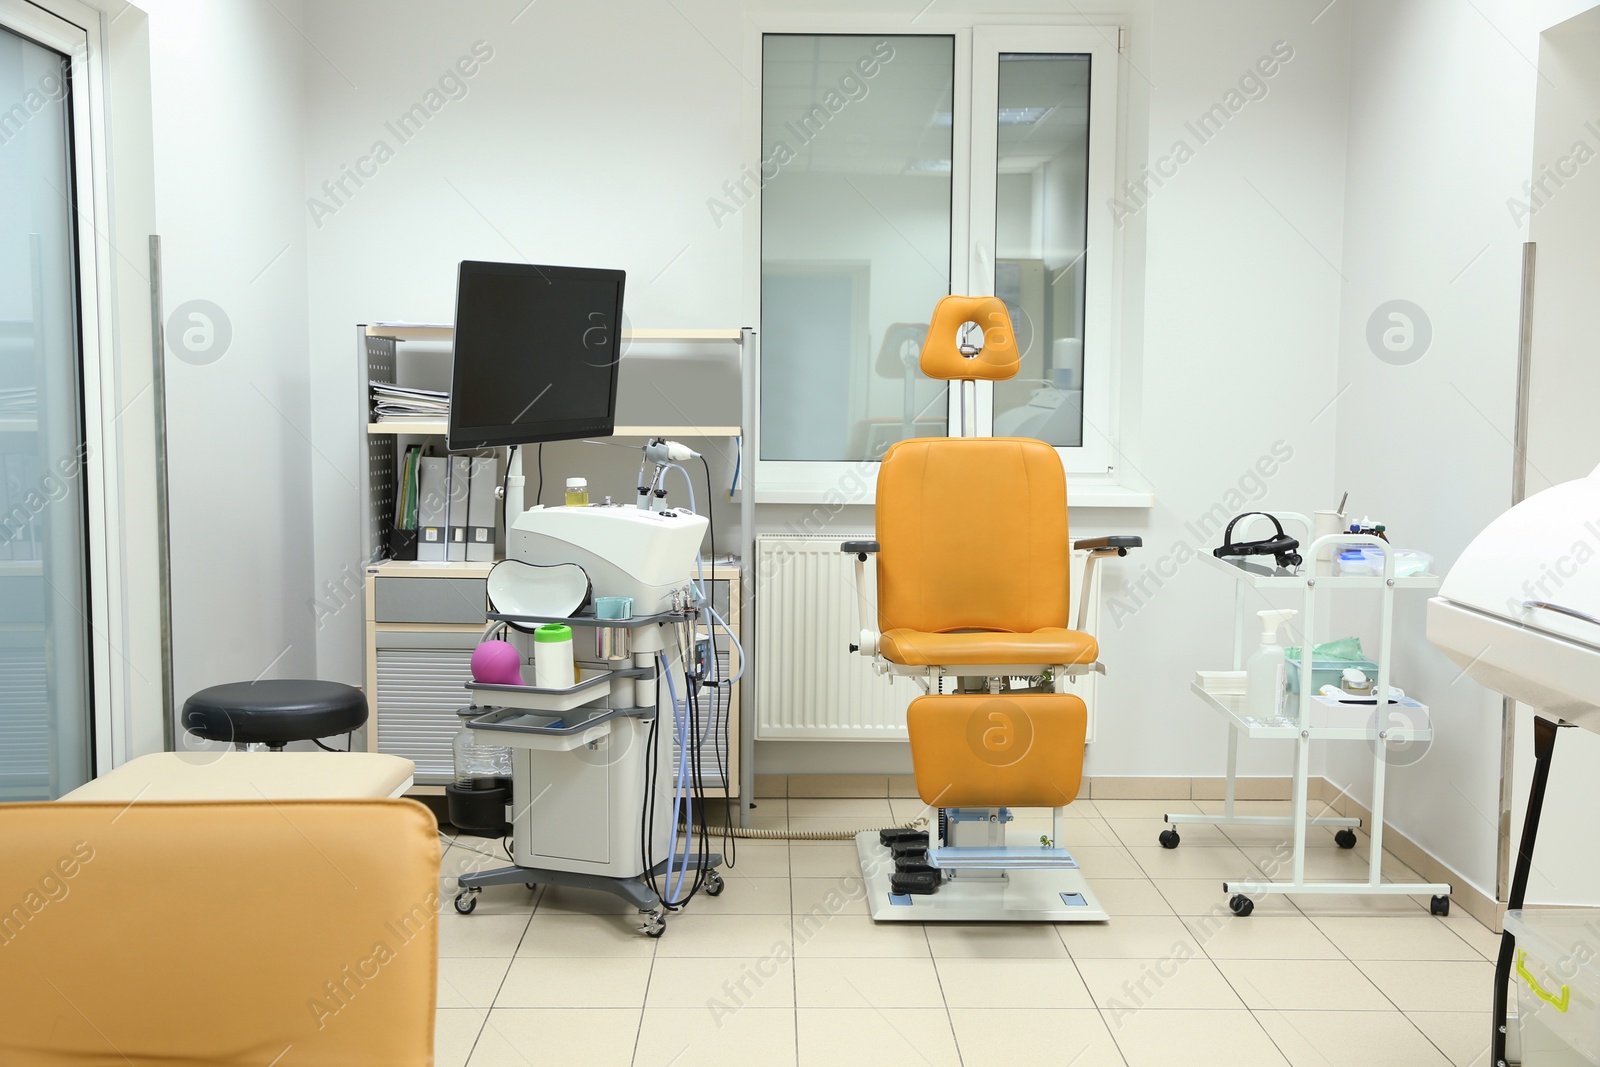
(274, 711)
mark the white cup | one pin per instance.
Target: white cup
(1324, 523)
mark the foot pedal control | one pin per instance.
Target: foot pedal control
(913, 861)
(920, 883)
(909, 847)
(889, 837)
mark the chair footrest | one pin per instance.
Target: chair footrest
(1002, 859)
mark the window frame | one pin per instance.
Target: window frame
(1091, 469)
(120, 681)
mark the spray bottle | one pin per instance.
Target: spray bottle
(1264, 670)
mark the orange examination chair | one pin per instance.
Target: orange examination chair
(973, 567)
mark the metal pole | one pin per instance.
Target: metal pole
(747, 584)
(158, 386)
(1519, 489)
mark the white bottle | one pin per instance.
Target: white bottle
(1264, 670)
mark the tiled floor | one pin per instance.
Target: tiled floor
(785, 967)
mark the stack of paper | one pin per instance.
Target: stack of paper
(392, 402)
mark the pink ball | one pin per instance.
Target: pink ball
(497, 663)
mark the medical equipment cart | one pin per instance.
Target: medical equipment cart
(1315, 578)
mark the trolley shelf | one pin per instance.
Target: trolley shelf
(1322, 574)
(1231, 707)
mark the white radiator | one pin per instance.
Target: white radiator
(810, 686)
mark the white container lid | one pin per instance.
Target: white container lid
(577, 483)
(1566, 940)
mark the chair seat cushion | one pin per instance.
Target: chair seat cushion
(983, 750)
(229, 775)
(274, 711)
(915, 648)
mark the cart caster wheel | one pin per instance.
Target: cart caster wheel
(1241, 905)
(1170, 839)
(466, 901)
(1439, 905)
(1345, 838)
(655, 923)
(532, 886)
(714, 884)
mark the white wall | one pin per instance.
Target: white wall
(1441, 133)
(225, 84)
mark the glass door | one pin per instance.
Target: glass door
(46, 703)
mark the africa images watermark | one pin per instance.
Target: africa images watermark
(51, 88)
(1538, 191)
(1253, 86)
(53, 888)
(341, 990)
(851, 88)
(1250, 488)
(452, 85)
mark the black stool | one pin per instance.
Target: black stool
(274, 712)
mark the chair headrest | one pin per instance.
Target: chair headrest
(942, 356)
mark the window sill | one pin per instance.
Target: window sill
(1081, 493)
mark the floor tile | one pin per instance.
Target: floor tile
(1473, 932)
(1217, 862)
(1193, 1039)
(1396, 937)
(455, 1030)
(1141, 809)
(519, 1037)
(569, 900)
(857, 936)
(758, 1037)
(1012, 983)
(574, 982)
(837, 823)
(1302, 985)
(1130, 937)
(745, 896)
(470, 981)
(1261, 937)
(1350, 1039)
(827, 896)
(725, 935)
(1036, 1037)
(1129, 896)
(907, 982)
(1165, 982)
(1329, 865)
(1416, 985)
(1079, 834)
(836, 807)
(757, 859)
(1106, 861)
(824, 859)
(995, 940)
(1148, 831)
(828, 1037)
(1319, 904)
(839, 785)
(721, 983)
(481, 935)
(585, 935)
(1463, 1036)
(1273, 836)
(1205, 896)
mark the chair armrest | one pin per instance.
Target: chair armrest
(860, 548)
(1118, 543)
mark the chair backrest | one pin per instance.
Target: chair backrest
(972, 535)
(218, 933)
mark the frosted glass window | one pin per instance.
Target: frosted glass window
(1041, 193)
(855, 240)
(45, 707)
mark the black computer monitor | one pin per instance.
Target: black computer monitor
(536, 354)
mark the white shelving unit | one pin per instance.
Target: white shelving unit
(419, 668)
(1303, 728)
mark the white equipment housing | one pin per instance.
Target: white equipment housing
(645, 555)
(1520, 610)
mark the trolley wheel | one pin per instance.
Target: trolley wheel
(1170, 839)
(466, 901)
(655, 922)
(714, 884)
(531, 885)
(1241, 905)
(1345, 838)
(1439, 905)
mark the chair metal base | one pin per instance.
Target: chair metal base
(1033, 896)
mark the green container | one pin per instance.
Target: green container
(553, 631)
(1326, 672)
